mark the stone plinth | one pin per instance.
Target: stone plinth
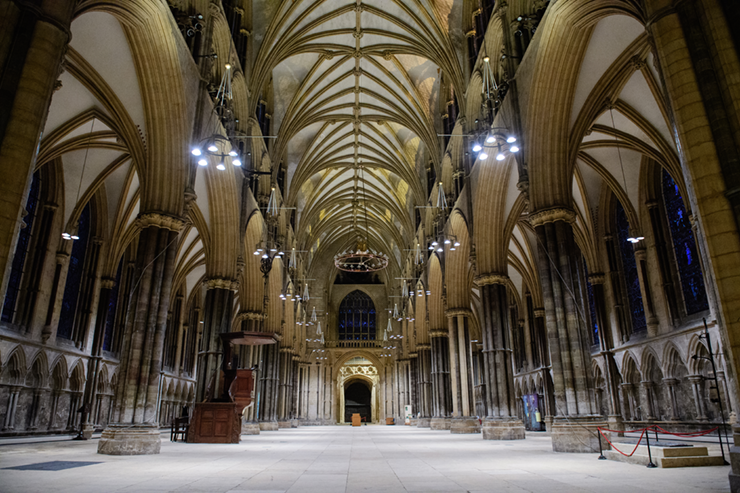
(423, 422)
(576, 434)
(294, 423)
(503, 429)
(464, 425)
(87, 431)
(250, 428)
(284, 424)
(269, 426)
(735, 460)
(439, 423)
(129, 440)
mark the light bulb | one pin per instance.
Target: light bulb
(227, 66)
(452, 248)
(212, 148)
(196, 151)
(264, 255)
(236, 162)
(447, 241)
(220, 166)
(233, 153)
(514, 149)
(511, 139)
(202, 162)
(500, 156)
(440, 249)
(434, 243)
(74, 237)
(490, 139)
(477, 147)
(482, 156)
(256, 252)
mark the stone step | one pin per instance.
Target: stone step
(685, 456)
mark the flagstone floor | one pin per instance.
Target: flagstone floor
(331, 459)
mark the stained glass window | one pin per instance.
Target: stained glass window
(110, 318)
(74, 276)
(592, 307)
(21, 250)
(629, 270)
(356, 318)
(684, 246)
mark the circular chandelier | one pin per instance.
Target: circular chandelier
(360, 259)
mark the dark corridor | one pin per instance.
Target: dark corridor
(357, 400)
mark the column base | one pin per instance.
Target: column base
(250, 428)
(615, 422)
(464, 425)
(130, 440)
(284, 424)
(734, 475)
(294, 423)
(576, 434)
(423, 422)
(503, 429)
(439, 423)
(87, 431)
(269, 426)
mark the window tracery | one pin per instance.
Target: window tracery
(356, 317)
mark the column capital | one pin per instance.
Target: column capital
(107, 283)
(486, 279)
(438, 333)
(248, 316)
(222, 283)
(164, 221)
(456, 312)
(539, 312)
(552, 215)
(596, 278)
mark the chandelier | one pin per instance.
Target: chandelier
(360, 257)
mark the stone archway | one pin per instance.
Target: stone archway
(358, 371)
(357, 399)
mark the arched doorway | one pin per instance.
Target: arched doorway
(357, 399)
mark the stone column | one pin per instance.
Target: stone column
(697, 382)
(464, 420)
(268, 401)
(606, 342)
(93, 364)
(671, 383)
(424, 375)
(501, 421)
(36, 36)
(285, 396)
(647, 294)
(574, 427)
(134, 429)
(13, 395)
(216, 321)
(440, 373)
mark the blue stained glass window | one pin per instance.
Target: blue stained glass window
(629, 270)
(592, 307)
(74, 276)
(110, 317)
(356, 317)
(21, 250)
(684, 246)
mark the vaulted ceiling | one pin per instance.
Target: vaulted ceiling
(356, 88)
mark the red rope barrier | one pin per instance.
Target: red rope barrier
(624, 431)
(690, 434)
(615, 448)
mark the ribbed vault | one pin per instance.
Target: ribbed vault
(357, 115)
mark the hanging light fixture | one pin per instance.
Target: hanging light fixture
(631, 239)
(70, 236)
(318, 328)
(313, 315)
(441, 199)
(389, 329)
(361, 258)
(216, 145)
(305, 293)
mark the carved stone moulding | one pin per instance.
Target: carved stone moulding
(456, 312)
(438, 333)
(163, 221)
(485, 279)
(552, 215)
(222, 283)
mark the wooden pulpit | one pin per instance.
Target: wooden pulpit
(218, 418)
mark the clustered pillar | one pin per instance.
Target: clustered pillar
(440, 373)
(501, 421)
(134, 429)
(574, 426)
(461, 364)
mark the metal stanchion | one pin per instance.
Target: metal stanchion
(650, 455)
(601, 451)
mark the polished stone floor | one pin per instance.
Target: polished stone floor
(341, 459)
